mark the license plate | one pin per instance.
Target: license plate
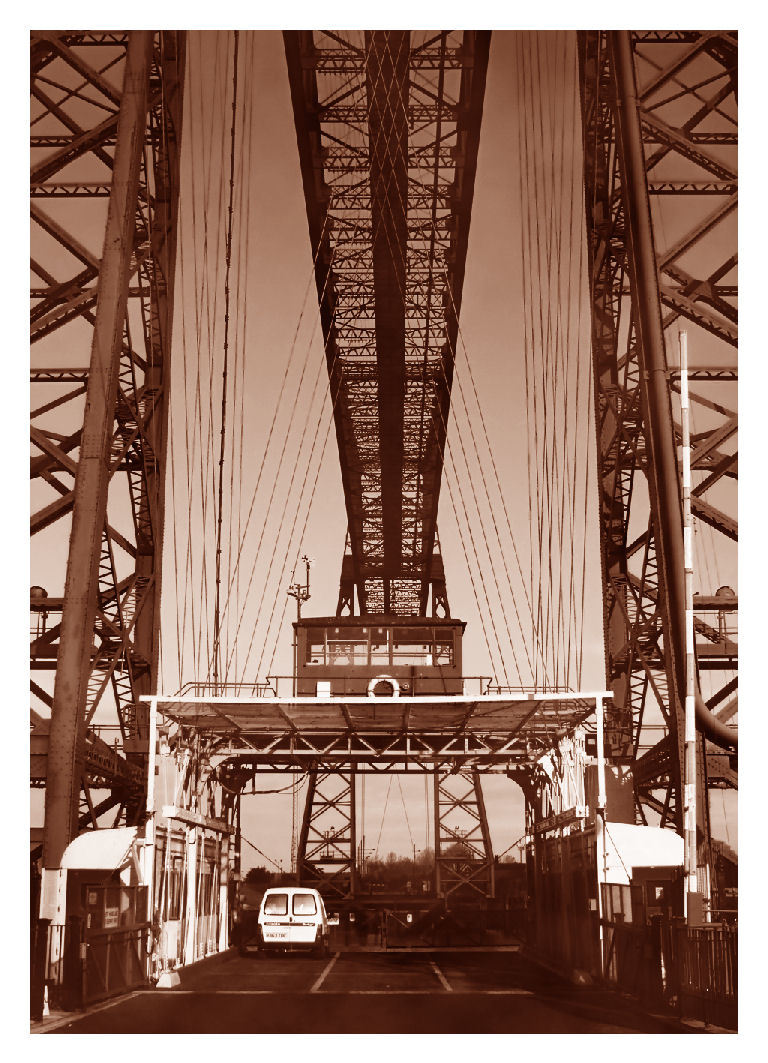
(276, 934)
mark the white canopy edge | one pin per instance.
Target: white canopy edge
(100, 850)
(629, 845)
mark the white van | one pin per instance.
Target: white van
(293, 917)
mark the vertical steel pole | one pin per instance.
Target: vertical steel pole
(600, 824)
(353, 870)
(689, 789)
(157, 376)
(65, 755)
(149, 829)
(438, 868)
(190, 936)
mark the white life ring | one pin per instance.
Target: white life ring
(383, 679)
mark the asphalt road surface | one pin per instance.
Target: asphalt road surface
(363, 993)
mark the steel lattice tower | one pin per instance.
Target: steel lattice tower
(105, 140)
(659, 115)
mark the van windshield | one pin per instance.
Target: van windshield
(276, 904)
(304, 904)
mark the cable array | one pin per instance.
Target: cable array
(215, 243)
(556, 348)
(531, 620)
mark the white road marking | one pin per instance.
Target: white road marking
(432, 993)
(286, 992)
(446, 984)
(44, 1025)
(324, 973)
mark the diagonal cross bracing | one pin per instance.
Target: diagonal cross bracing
(99, 130)
(685, 106)
(387, 127)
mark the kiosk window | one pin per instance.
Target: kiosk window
(175, 883)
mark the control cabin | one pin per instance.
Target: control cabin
(378, 655)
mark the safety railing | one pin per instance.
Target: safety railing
(264, 689)
(282, 686)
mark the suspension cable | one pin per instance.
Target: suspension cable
(219, 516)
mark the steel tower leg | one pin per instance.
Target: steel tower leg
(625, 137)
(114, 298)
(65, 755)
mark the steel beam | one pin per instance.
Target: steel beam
(328, 840)
(464, 866)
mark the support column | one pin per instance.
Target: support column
(65, 753)
(223, 893)
(600, 824)
(190, 935)
(148, 855)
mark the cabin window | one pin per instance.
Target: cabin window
(444, 647)
(315, 645)
(380, 646)
(348, 646)
(412, 646)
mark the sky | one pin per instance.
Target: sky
(287, 499)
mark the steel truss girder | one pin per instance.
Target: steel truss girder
(286, 763)
(686, 107)
(78, 105)
(417, 749)
(387, 131)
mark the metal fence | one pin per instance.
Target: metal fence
(706, 968)
(693, 970)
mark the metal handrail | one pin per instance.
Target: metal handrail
(270, 687)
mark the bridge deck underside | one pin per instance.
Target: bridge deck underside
(387, 126)
(492, 730)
